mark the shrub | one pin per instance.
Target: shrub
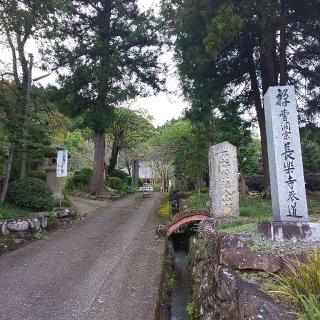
(128, 189)
(115, 183)
(39, 174)
(120, 174)
(31, 193)
(129, 181)
(79, 180)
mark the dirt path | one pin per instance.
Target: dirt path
(106, 267)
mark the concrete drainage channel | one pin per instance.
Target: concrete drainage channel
(175, 291)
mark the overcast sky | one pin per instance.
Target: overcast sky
(162, 107)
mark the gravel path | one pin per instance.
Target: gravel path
(105, 267)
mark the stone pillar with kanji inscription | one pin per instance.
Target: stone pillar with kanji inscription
(288, 193)
(223, 170)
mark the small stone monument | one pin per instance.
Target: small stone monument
(288, 193)
(223, 170)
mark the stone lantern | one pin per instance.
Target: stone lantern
(51, 166)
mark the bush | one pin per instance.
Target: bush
(129, 181)
(39, 174)
(128, 189)
(115, 183)
(120, 174)
(79, 180)
(31, 193)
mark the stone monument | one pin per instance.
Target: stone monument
(285, 161)
(223, 170)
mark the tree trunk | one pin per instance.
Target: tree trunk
(113, 157)
(96, 185)
(261, 120)
(7, 174)
(243, 188)
(283, 45)
(23, 157)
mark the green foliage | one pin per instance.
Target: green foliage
(230, 127)
(66, 201)
(120, 174)
(311, 156)
(127, 131)
(116, 61)
(172, 281)
(115, 183)
(31, 193)
(199, 201)
(191, 310)
(255, 208)
(166, 211)
(225, 25)
(79, 180)
(40, 235)
(39, 174)
(10, 211)
(301, 286)
(73, 141)
(128, 189)
(311, 307)
(243, 227)
(157, 187)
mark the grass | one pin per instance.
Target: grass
(10, 211)
(239, 228)
(250, 207)
(166, 211)
(255, 208)
(199, 201)
(314, 206)
(301, 286)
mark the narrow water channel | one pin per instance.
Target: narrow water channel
(181, 294)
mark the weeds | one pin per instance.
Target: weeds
(172, 281)
(40, 235)
(191, 310)
(301, 286)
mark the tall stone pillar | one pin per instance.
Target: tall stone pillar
(224, 187)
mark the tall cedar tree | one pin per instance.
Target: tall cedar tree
(109, 50)
(235, 50)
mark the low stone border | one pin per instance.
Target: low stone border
(15, 232)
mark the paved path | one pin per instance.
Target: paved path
(85, 206)
(106, 267)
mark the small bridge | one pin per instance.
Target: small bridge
(184, 217)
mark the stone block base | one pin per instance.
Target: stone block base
(290, 231)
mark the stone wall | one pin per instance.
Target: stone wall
(218, 290)
(164, 292)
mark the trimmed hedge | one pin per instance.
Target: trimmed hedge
(31, 193)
